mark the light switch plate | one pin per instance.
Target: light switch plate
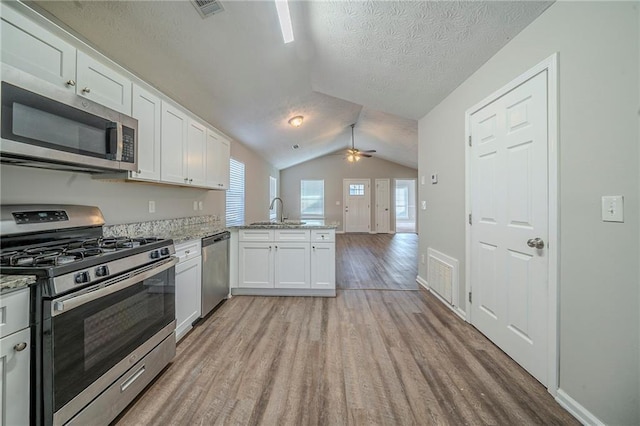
(424, 205)
(613, 208)
(434, 178)
(195, 205)
(423, 180)
(152, 206)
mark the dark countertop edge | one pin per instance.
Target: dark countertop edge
(8, 287)
(233, 228)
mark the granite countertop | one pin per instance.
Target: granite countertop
(190, 232)
(15, 282)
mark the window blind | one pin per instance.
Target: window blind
(235, 194)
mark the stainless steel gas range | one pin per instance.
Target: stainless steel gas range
(102, 310)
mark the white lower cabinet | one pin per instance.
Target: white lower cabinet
(285, 262)
(15, 355)
(291, 262)
(188, 287)
(323, 265)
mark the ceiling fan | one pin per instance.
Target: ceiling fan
(354, 154)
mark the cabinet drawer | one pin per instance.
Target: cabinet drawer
(323, 235)
(14, 311)
(292, 235)
(256, 235)
(188, 250)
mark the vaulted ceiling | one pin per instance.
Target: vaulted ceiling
(380, 64)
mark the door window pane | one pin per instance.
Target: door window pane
(356, 189)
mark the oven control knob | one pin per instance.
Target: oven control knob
(165, 251)
(155, 254)
(81, 277)
(102, 271)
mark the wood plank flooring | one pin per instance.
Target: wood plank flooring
(377, 261)
(365, 357)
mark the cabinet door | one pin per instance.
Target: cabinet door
(27, 46)
(173, 140)
(14, 372)
(323, 265)
(196, 142)
(255, 264)
(188, 294)
(218, 152)
(146, 109)
(103, 85)
(292, 265)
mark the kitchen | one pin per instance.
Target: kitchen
(21, 185)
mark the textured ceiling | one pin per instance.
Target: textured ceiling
(381, 64)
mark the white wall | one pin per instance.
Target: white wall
(125, 202)
(598, 45)
(333, 169)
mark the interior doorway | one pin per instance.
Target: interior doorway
(405, 203)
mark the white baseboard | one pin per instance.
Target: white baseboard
(339, 232)
(574, 408)
(456, 310)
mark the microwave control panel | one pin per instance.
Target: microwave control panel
(23, 218)
(128, 145)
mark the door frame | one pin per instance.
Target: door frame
(389, 230)
(550, 65)
(344, 202)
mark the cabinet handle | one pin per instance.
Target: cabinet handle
(186, 179)
(314, 247)
(139, 171)
(70, 83)
(269, 248)
(187, 251)
(20, 346)
(86, 90)
(190, 180)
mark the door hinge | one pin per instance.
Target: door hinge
(470, 219)
(470, 298)
(469, 140)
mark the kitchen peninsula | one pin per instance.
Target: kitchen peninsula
(283, 259)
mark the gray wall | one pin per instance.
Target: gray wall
(598, 45)
(333, 169)
(124, 202)
(256, 179)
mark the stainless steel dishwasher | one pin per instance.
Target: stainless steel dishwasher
(215, 271)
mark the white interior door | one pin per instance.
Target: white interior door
(382, 206)
(509, 207)
(357, 205)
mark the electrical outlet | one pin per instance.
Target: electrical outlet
(422, 259)
(200, 205)
(195, 205)
(152, 206)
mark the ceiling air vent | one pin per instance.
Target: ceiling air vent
(207, 8)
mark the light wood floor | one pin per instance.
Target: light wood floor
(377, 261)
(364, 357)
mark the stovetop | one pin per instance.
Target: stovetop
(68, 252)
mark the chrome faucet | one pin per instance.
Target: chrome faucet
(273, 202)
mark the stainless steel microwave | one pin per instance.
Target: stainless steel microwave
(48, 127)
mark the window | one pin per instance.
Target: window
(273, 193)
(356, 189)
(402, 202)
(311, 198)
(235, 194)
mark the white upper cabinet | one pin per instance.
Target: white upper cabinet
(29, 47)
(147, 110)
(173, 166)
(218, 152)
(196, 143)
(102, 84)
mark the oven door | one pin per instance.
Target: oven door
(94, 336)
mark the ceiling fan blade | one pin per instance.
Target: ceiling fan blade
(365, 155)
(369, 150)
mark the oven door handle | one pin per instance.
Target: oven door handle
(127, 280)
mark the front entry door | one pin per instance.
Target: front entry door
(382, 206)
(357, 205)
(509, 231)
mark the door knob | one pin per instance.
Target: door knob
(536, 243)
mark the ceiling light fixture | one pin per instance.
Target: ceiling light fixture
(296, 121)
(282, 6)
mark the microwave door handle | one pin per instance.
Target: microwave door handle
(132, 278)
(114, 141)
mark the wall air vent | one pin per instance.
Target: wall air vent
(207, 8)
